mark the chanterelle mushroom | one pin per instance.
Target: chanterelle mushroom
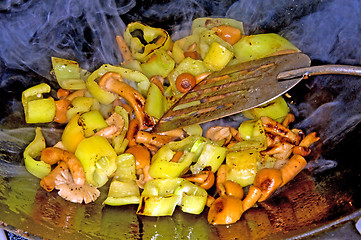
(113, 82)
(73, 192)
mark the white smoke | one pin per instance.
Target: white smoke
(82, 30)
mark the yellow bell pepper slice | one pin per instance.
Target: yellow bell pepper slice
(98, 159)
(161, 196)
(241, 166)
(217, 57)
(123, 189)
(36, 108)
(143, 40)
(39, 168)
(68, 74)
(276, 109)
(260, 45)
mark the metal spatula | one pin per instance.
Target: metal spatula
(243, 86)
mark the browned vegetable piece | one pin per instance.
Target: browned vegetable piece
(158, 80)
(288, 119)
(62, 93)
(152, 138)
(278, 129)
(221, 179)
(309, 140)
(210, 201)
(127, 55)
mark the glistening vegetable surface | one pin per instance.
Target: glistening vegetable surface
(108, 136)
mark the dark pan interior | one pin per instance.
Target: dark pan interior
(322, 202)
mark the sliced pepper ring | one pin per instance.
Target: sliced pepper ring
(161, 196)
(144, 40)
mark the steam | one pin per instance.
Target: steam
(33, 31)
(328, 31)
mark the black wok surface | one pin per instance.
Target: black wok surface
(322, 202)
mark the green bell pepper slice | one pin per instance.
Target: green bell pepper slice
(73, 134)
(242, 166)
(161, 196)
(211, 155)
(186, 144)
(130, 75)
(156, 103)
(217, 56)
(246, 129)
(161, 65)
(194, 129)
(122, 193)
(80, 105)
(207, 38)
(143, 40)
(162, 167)
(276, 109)
(260, 45)
(123, 189)
(133, 64)
(36, 108)
(39, 168)
(254, 135)
(91, 122)
(68, 74)
(119, 142)
(98, 158)
(81, 126)
(193, 148)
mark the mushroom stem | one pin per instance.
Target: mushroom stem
(152, 139)
(132, 131)
(292, 168)
(204, 179)
(113, 82)
(309, 140)
(253, 195)
(126, 53)
(53, 155)
(288, 119)
(48, 182)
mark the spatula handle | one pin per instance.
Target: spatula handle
(320, 70)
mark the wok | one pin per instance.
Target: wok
(322, 202)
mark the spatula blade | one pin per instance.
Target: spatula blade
(233, 90)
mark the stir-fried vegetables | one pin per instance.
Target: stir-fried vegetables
(108, 114)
